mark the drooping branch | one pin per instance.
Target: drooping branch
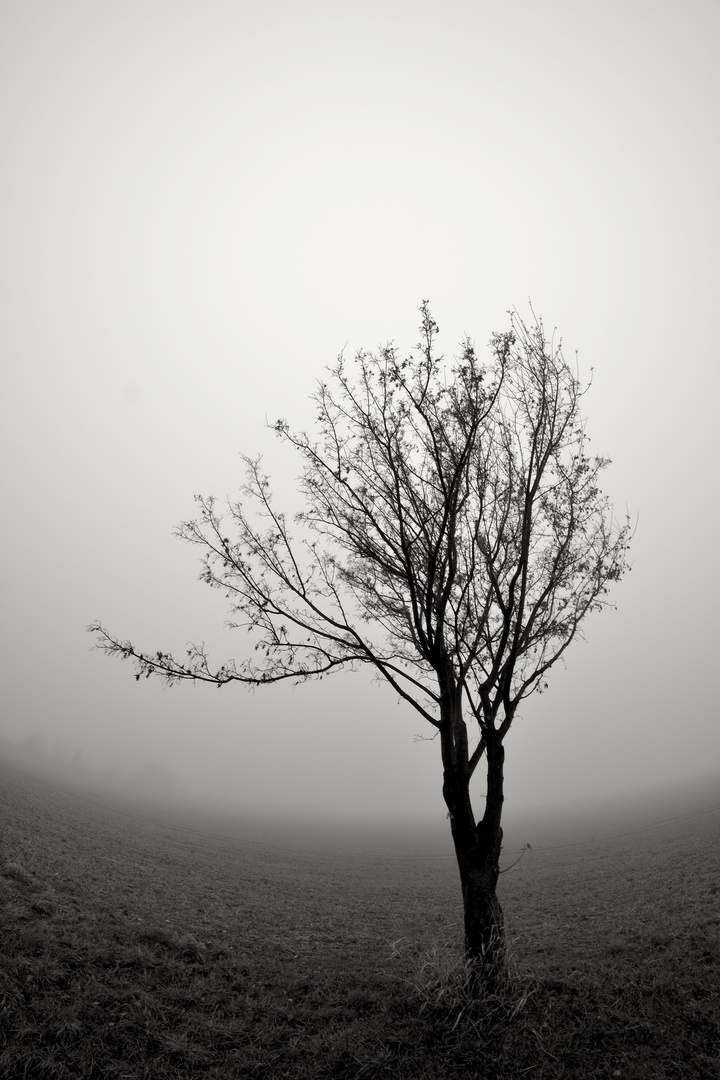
(288, 597)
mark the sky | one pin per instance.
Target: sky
(201, 205)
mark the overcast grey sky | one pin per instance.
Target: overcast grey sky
(203, 202)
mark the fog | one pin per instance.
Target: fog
(202, 204)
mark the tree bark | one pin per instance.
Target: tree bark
(477, 849)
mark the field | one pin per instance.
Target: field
(134, 947)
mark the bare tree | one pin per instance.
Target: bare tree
(454, 538)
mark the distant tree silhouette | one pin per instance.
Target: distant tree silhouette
(454, 538)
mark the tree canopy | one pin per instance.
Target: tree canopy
(453, 521)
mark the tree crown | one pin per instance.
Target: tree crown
(454, 534)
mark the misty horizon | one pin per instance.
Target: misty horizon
(153, 790)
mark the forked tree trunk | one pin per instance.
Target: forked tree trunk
(477, 848)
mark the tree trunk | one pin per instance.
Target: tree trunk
(477, 849)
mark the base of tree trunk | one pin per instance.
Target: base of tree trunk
(485, 946)
(487, 965)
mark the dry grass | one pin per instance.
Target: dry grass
(136, 949)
